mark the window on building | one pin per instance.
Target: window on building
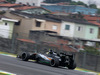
(67, 27)
(33, 4)
(54, 27)
(28, 3)
(38, 24)
(6, 23)
(91, 30)
(79, 28)
(17, 23)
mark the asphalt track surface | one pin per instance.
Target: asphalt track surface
(18, 67)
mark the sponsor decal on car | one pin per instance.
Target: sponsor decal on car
(43, 56)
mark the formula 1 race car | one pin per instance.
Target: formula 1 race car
(53, 59)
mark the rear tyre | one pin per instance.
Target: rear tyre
(72, 66)
(54, 63)
(25, 56)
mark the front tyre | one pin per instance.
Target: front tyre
(25, 56)
(54, 63)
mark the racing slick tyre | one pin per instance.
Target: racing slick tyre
(25, 56)
(72, 66)
(54, 63)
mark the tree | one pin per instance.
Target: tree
(11, 1)
(92, 50)
(78, 3)
(98, 11)
(93, 6)
(73, 3)
(56, 1)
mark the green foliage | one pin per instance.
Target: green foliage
(93, 6)
(78, 3)
(91, 50)
(56, 1)
(11, 1)
(73, 3)
(98, 11)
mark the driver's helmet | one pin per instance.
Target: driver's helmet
(51, 51)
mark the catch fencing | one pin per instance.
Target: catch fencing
(88, 61)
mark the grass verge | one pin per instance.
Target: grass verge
(85, 70)
(7, 53)
(4, 74)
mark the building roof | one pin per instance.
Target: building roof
(2, 1)
(74, 20)
(95, 22)
(9, 5)
(26, 7)
(64, 47)
(79, 21)
(53, 18)
(70, 8)
(26, 40)
(44, 17)
(7, 19)
(1, 16)
(93, 19)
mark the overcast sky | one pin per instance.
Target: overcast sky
(97, 2)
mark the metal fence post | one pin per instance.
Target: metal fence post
(96, 66)
(13, 42)
(84, 59)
